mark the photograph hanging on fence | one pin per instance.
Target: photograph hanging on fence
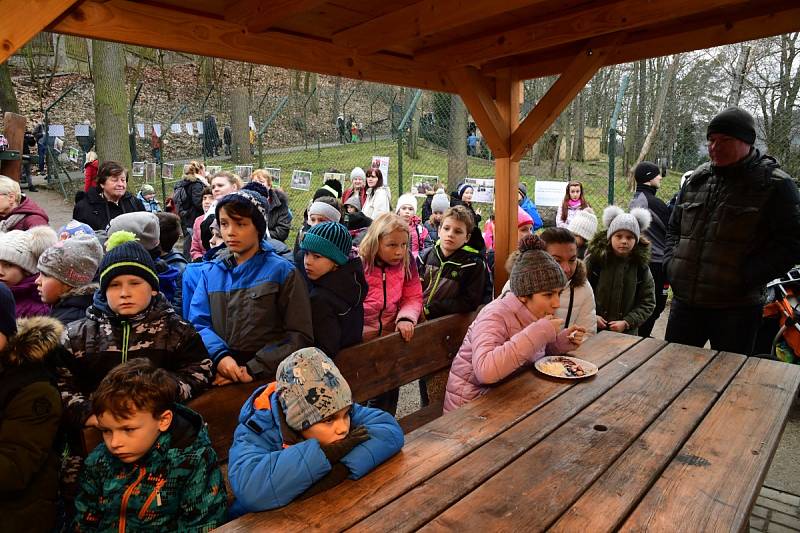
(137, 168)
(213, 169)
(243, 171)
(276, 176)
(334, 176)
(301, 180)
(549, 193)
(382, 163)
(150, 170)
(167, 171)
(55, 130)
(73, 154)
(58, 145)
(421, 183)
(81, 130)
(482, 190)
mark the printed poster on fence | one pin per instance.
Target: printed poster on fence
(420, 183)
(549, 193)
(157, 129)
(210, 171)
(482, 190)
(301, 180)
(382, 163)
(175, 128)
(334, 176)
(140, 130)
(276, 176)
(243, 171)
(73, 154)
(189, 128)
(199, 126)
(167, 171)
(150, 172)
(137, 168)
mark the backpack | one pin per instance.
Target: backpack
(182, 201)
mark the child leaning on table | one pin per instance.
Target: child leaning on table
(303, 434)
(514, 330)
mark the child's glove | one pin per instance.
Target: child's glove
(336, 450)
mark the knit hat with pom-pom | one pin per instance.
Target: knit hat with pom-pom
(125, 256)
(615, 219)
(23, 248)
(535, 270)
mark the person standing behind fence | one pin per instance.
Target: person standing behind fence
(574, 201)
(735, 227)
(377, 195)
(188, 197)
(648, 180)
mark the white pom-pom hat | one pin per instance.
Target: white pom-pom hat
(615, 219)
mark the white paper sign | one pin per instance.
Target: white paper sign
(73, 154)
(382, 163)
(301, 180)
(199, 126)
(421, 182)
(175, 128)
(251, 122)
(189, 128)
(55, 130)
(549, 193)
(140, 130)
(81, 130)
(211, 171)
(482, 190)
(157, 129)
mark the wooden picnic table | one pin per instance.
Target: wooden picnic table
(664, 437)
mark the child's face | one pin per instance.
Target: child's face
(393, 247)
(208, 199)
(216, 238)
(467, 196)
(129, 295)
(149, 197)
(622, 242)
(221, 186)
(406, 212)
(50, 289)
(335, 427)
(437, 218)
(239, 234)
(313, 220)
(575, 192)
(452, 235)
(317, 265)
(523, 230)
(542, 304)
(129, 439)
(11, 274)
(566, 255)
(351, 209)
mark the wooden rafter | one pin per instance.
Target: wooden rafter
(258, 16)
(577, 73)
(147, 25)
(472, 88)
(21, 21)
(577, 24)
(422, 19)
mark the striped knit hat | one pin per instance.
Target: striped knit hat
(329, 239)
(126, 256)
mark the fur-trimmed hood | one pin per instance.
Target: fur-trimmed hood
(600, 247)
(84, 290)
(35, 338)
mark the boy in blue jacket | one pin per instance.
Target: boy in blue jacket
(303, 434)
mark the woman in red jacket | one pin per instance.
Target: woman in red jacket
(90, 171)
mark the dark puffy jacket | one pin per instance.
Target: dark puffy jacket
(452, 284)
(95, 211)
(191, 198)
(476, 237)
(279, 221)
(646, 198)
(337, 307)
(733, 229)
(72, 305)
(103, 340)
(30, 412)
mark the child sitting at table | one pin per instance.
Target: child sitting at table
(303, 434)
(618, 266)
(514, 330)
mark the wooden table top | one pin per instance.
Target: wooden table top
(664, 437)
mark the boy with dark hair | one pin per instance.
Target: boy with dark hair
(170, 226)
(156, 468)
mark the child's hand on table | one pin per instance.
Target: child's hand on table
(406, 329)
(229, 371)
(618, 325)
(601, 323)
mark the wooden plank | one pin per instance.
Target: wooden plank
(618, 490)
(148, 25)
(579, 71)
(14, 131)
(472, 87)
(422, 19)
(430, 449)
(258, 16)
(21, 21)
(420, 505)
(712, 483)
(573, 25)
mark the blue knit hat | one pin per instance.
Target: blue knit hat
(125, 256)
(329, 239)
(253, 203)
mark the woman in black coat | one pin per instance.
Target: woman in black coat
(108, 200)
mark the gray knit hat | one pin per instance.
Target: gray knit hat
(310, 388)
(615, 219)
(73, 262)
(325, 210)
(535, 270)
(142, 224)
(440, 203)
(354, 201)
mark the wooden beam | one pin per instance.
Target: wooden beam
(471, 85)
(258, 16)
(422, 19)
(147, 25)
(575, 25)
(20, 21)
(579, 71)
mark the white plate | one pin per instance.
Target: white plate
(542, 365)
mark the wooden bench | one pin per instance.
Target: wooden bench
(371, 368)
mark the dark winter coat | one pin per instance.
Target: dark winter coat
(176, 486)
(103, 340)
(95, 211)
(733, 230)
(176, 260)
(30, 411)
(433, 234)
(337, 307)
(646, 198)
(73, 304)
(25, 216)
(453, 284)
(623, 286)
(279, 221)
(191, 196)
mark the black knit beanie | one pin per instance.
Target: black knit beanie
(126, 256)
(8, 312)
(734, 122)
(645, 171)
(253, 204)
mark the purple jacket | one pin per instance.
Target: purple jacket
(29, 303)
(504, 337)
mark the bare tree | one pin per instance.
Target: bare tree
(110, 102)
(8, 98)
(456, 143)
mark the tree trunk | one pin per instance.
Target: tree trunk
(110, 102)
(337, 100)
(456, 143)
(413, 125)
(579, 150)
(240, 130)
(8, 98)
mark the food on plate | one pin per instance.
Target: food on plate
(562, 366)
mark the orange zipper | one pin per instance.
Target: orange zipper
(151, 498)
(125, 497)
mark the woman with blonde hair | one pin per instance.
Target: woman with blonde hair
(90, 171)
(279, 219)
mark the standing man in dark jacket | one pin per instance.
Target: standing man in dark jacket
(648, 180)
(108, 200)
(735, 226)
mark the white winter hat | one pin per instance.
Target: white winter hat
(615, 219)
(584, 224)
(440, 203)
(23, 248)
(358, 172)
(406, 199)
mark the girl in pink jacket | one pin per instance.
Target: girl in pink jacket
(394, 297)
(514, 330)
(407, 209)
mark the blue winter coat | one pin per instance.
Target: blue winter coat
(529, 207)
(265, 475)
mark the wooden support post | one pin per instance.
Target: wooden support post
(14, 130)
